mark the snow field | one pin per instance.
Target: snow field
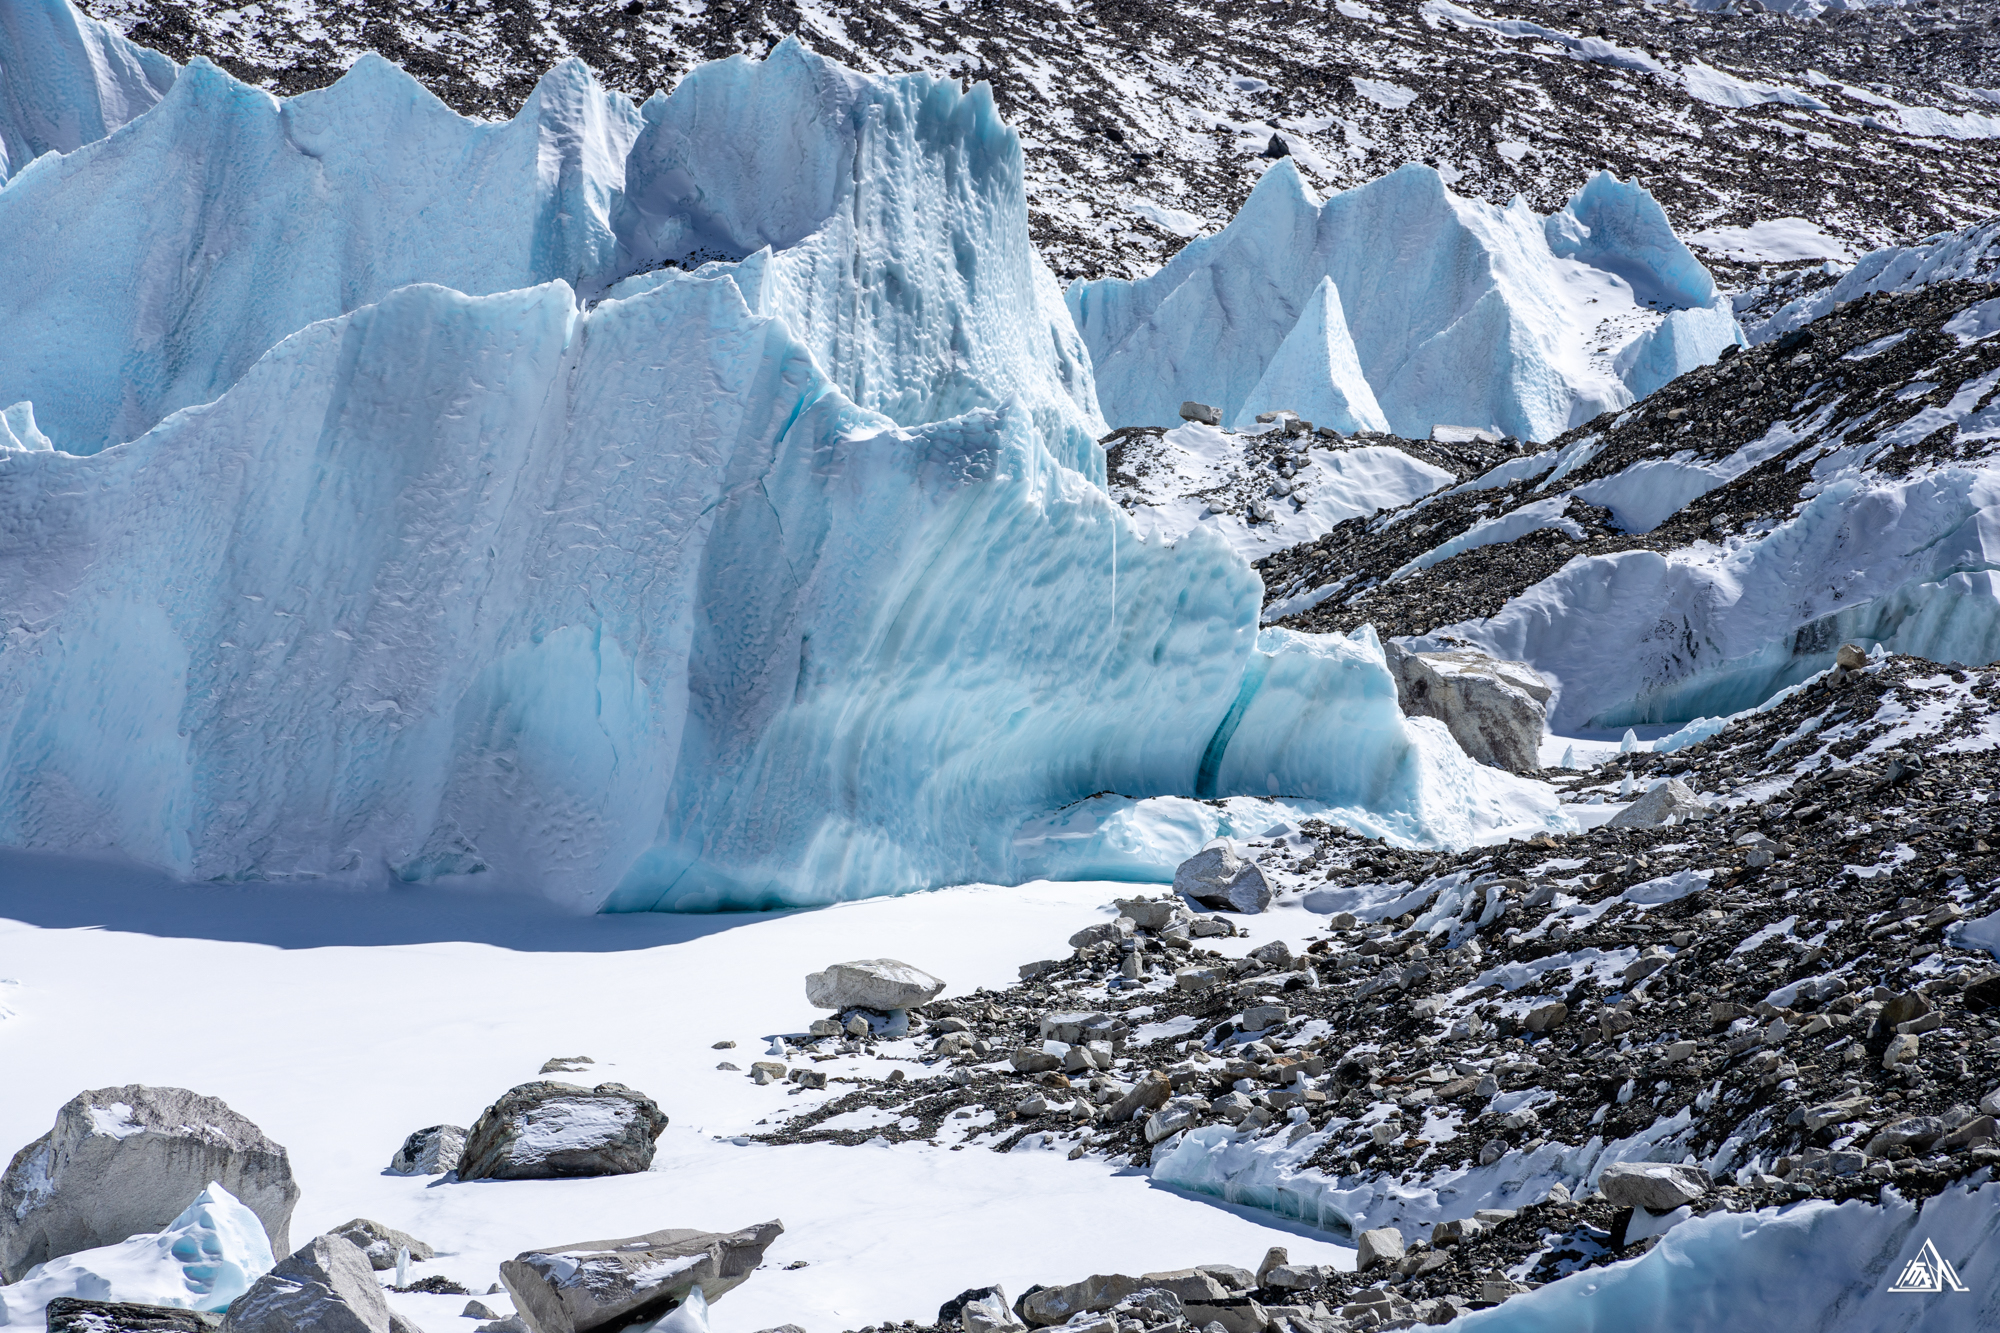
(339, 1052)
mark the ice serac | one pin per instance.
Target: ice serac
(896, 217)
(645, 612)
(67, 80)
(1459, 311)
(1316, 373)
(147, 271)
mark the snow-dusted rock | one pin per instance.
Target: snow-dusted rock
(1383, 1245)
(985, 1310)
(429, 1152)
(1495, 710)
(594, 1283)
(1658, 1187)
(546, 1130)
(1672, 802)
(1218, 879)
(326, 1287)
(881, 984)
(1058, 1305)
(204, 1259)
(121, 1161)
(380, 1243)
(68, 1314)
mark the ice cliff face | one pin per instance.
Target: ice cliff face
(1458, 312)
(150, 269)
(780, 581)
(66, 80)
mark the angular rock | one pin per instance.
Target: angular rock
(1201, 412)
(1034, 1060)
(67, 1314)
(1057, 1305)
(1903, 1008)
(881, 984)
(123, 1161)
(1673, 802)
(1188, 1284)
(1546, 1017)
(1150, 1093)
(1104, 932)
(380, 1243)
(325, 1287)
(1979, 1129)
(1383, 1245)
(1175, 1116)
(1495, 710)
(546, 1130)
(1261, 1016)
(1221, 881)
(1917, 1132)
(1833, 1112)
(1658, 1187)
(1148, 914)
(429, 1152)
(599, 1283)
(981, 1310)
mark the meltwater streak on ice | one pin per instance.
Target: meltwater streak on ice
(148, 270)
(1460, 312)
(644, 610)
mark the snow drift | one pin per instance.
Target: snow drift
(1456, 311)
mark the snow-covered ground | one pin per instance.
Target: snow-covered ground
(437, 1004)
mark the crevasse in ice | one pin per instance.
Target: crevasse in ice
(779, 581)
(1459, 312)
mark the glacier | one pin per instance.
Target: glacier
(602, 503)
(151, 268)
(1457, 311)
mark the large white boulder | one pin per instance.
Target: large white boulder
(547, 1130)
(122, 1161)
(1218, 879)
(881, 984)
(1495, 710)
(327, 1287)
(595, 1283)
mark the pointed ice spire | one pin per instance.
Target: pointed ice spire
(1625, 788)
(1317, 373)
(1630, 743)
(1569, 757)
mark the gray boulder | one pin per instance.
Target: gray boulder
(1202, 412)
(1916, 1132)
(1222, 881)
(881, 984)
(1495, 710)
(380, 1243)
(1383, 1245)
(327, 1287)
(1672, 802)
(122, 1161)
(1151, 914)
(1057, 1305)
(986, 1311)
(600, 1283)
(1658, 1187)
(429, 1152)
(543, 1131)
